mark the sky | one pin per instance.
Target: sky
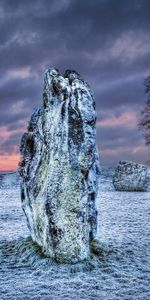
(106, 41)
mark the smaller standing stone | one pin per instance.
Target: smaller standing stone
(131, 177)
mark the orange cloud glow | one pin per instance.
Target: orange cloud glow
(9, 162)
(6, 134)
(138, 149)
(128, 119)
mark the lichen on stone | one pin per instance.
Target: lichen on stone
(60, 169)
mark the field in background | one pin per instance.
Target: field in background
(123, 230)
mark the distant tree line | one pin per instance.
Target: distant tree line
(144, 123)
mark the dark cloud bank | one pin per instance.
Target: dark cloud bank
(106, 41)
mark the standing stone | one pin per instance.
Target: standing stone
(60, 169)
(131, 177)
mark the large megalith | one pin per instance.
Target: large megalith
(60, 169)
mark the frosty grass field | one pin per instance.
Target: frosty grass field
(123, 230)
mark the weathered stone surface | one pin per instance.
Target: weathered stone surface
(130, 176)
(60, 168)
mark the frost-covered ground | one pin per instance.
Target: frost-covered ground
(124, 269)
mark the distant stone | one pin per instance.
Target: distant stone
(131, 177)
(60, 169)
(9, 180)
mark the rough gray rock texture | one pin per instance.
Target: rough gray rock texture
(130, 176)
(60, 168)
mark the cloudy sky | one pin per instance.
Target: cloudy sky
(106, 41)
